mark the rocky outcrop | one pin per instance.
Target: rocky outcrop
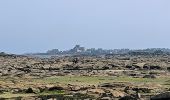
(162, 96)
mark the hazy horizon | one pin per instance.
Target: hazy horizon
(39, 25)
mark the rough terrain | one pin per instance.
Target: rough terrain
(103, 77)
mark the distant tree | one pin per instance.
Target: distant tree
(53, 51)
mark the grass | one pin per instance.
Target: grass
(10, 95)
(99, 79)
(78, 80)
(95, 80)
(57, 92)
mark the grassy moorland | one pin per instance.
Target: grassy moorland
(112, 77)
(75, 80)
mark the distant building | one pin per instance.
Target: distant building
(77, 49)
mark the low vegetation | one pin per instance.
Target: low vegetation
(97, 77)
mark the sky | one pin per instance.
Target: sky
(40, 25)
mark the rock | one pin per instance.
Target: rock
(106, 98)
(117, 94)
(149, 76)
(96, 91)
(162, 96)
(37, 90)
(29, 90)
(1, 91)
(55, 88)
(106, 85)
(41, 89)
(106, 95)
(155, 67)
(16, 90)
(128, 98)
(152, 67)
(114, 85)
(168, 68)
(29, 98)
(142, 89)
